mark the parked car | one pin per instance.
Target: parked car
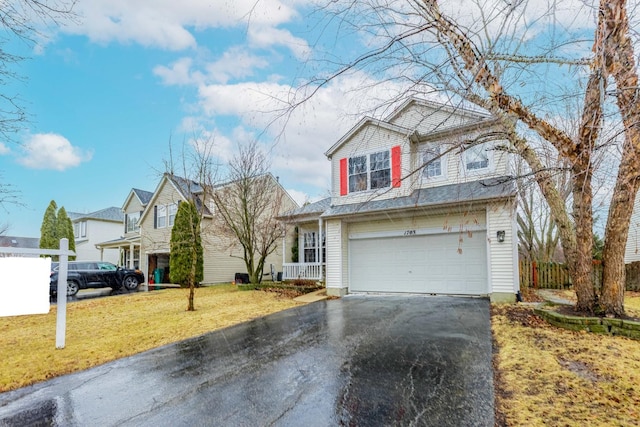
(95, 274)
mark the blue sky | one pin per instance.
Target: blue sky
(107, 93)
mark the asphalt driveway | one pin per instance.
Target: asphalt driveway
(359, 360)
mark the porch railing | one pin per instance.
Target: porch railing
(307, 270)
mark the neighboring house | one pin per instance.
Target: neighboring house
(632, 250)
(128, 244)
(223, 256)
(19, 242)
(95, 227)
(415, 207)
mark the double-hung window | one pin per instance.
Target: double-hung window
(310, 244)
(173, 209)
(432, 161)
(132, 222)
(380, 169)
(357, 174)
(476, 158)
(370, 172)
(80, 229)
(161, 216)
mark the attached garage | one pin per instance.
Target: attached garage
(440, 263)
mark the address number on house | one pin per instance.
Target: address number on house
(410, 233)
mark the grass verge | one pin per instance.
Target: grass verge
(105, 329)
(550, 376)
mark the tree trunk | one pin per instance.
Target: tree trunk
(619, 59)
(583, 217)
(616, 233)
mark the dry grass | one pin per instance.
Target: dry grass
(551, 376)
(106, 329)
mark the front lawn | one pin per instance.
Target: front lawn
(101, 330)
(550, 376)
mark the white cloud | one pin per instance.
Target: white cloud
(300, 197)
(235, 63)
(179, 73)
(168, 24)
(269, 36)
(4, 149)
(51, 151)
(299, 137)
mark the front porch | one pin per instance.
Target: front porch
(303, 270)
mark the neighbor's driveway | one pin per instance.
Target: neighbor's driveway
(360, 360)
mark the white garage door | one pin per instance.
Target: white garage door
(420, 264)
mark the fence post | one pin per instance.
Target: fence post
(61, 314)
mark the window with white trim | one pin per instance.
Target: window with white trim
(161, 216)
(432, 160)
(80, 229)
(310, 245)
(173, 209)
(476, 158)
(380, 167)
(132, 222)
(369, 172)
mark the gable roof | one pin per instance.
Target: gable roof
(311, 209)
(113, 214)
(476, 115)
(143, 195)
(437, 106)
(468, 192)
(184, 187)
(366, 121)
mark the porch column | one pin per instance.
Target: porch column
(319, 247)
(131, 249)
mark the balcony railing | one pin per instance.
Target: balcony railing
(307, 270)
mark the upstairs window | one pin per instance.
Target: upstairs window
(132, 222)
(80, 229)
(380, 167)
(161, 216)
(372, 171)
(476, 158)
(357, 174)
(432, 160)
(173, 209)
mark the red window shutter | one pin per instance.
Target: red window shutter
(396, 170)
(343, 177)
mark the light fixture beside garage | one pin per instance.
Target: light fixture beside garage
(500, 236)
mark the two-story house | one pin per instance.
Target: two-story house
(223, 255)
(93, 228)
(420, 203)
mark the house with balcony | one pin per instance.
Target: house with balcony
(421, 202)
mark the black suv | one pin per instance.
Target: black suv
(95, 274)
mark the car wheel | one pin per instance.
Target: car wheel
(72, 288)
(131, 283)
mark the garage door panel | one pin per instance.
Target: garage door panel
(419, 264)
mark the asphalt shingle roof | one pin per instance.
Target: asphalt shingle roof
(144, 196)
(309, 209)
(487, 189)
(108, 214)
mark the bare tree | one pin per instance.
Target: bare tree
(247, 207)
(487, 60)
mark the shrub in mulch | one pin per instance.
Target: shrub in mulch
(288, 289)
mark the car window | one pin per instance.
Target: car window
(106, 266)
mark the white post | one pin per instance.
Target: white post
(319, 258)
(61, 315)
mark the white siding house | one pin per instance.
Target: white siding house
(420, 203)
(93, 228)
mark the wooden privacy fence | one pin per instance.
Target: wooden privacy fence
(552, 275)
